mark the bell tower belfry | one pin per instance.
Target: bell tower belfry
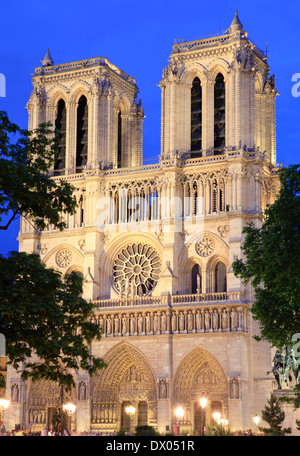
(94, 106)
(217, 96)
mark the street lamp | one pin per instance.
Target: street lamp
(217, 417)
(203, 402)
(69, 408)
(179, 412)
(256, 420)
(130, 410)
(4, 404)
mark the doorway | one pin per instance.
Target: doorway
(199, 418)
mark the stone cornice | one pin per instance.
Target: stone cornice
(82, 66)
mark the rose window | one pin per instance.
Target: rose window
(136, 270)
(205, 247)
(63, 258)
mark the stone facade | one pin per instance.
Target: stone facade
(155, 244)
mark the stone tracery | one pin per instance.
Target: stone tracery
(136, 270)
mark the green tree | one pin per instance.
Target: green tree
(274, 416)
(218, 430)
(45, 320)
(145, 430)
(272, 263)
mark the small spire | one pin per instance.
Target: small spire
(47, 60)
(236, 23)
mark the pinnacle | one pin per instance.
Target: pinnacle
(236, 23)
(47, 60)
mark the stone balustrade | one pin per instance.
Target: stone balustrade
(167, 300)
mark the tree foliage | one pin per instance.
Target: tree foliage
(274, 416)
(25, 187)
(45, 320)
(272, 263)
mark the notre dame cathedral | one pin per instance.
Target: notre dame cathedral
(155, 243)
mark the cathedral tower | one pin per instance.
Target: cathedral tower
(94, 106)
(218, 96)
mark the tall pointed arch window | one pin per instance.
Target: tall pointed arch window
(119, 146)
(196, 118)
(60, 133)
(196, 279)
(82, 134)
(220, 278)
(219, 114)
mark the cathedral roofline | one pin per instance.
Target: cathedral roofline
(79, 65)
(233, 34)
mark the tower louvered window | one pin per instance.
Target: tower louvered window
(119, 165)
(196, 119)
(82, 134)
(219, 114)
(60, 133)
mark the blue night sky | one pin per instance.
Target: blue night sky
(137, 36)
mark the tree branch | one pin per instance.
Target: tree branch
(4, 227)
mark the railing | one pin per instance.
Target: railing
(169, 300)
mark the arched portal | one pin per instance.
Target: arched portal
(43, 399)
(128, 379)
(199, 375)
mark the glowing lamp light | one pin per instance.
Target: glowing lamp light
(217, 416)
(130, 410)
(69, 408)
(203, 402)
(256, 419)
(179, 412)
(4, 403)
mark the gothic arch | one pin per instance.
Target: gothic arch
(75, 268)
(258, 83)
(78, 89)
(127, 377)
(218, 66)
(186, 271)
(42, 397)
(199, 373)
(64, 256)
(211, 269)
(192, 71)
(124, 104)
(56, 93)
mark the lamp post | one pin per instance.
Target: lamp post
(179, 412)
(203, 403)
(130, 410)
(256, 420)
(4, 404)
(217, 417)
(69, 409)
